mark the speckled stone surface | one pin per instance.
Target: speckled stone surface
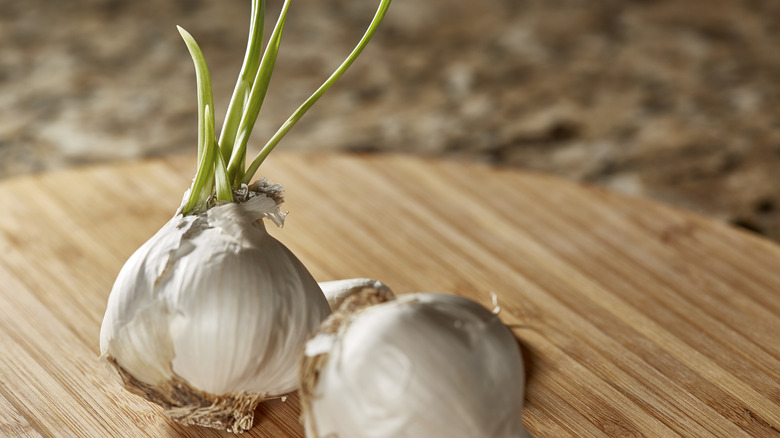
(675, 101)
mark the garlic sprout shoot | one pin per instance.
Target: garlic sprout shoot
(208, 317)
(417, 366)
(221, 162)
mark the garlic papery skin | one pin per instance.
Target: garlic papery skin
(339, 290)
(209, 316)
(418, 366)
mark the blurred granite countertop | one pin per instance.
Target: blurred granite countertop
(674, 101)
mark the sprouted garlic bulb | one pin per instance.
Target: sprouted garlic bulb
(208, 317)
(415, 366)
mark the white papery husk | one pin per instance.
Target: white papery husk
(209, 316)
(337, 291)
(419, 366)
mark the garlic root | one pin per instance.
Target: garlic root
(233, 412)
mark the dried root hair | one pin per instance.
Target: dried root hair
(233, 412)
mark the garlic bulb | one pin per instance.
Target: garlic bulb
(418, 366)
(209, 316)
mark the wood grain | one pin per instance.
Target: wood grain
(635, 319)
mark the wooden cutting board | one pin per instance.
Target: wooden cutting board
(636, 319)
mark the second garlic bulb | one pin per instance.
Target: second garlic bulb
(418, 366)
